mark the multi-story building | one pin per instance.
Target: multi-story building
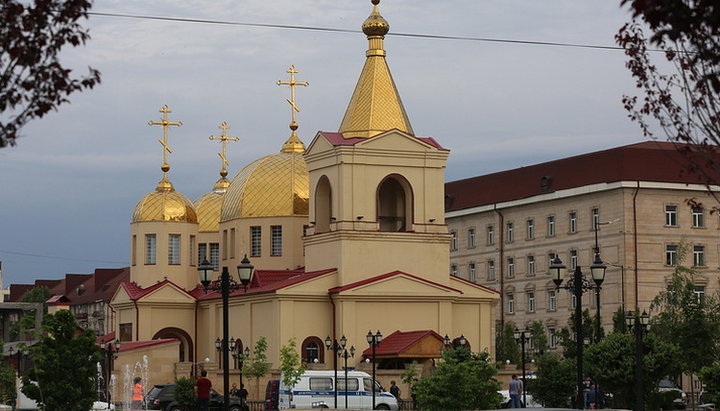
(507, 226)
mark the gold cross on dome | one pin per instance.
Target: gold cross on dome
(224, 139)
(292, 83)
(165, 123)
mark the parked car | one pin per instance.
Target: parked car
(506, 400)
(272, 393)
(162, 397)
(666, 385)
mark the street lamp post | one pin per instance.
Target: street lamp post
(239, 357)
(110, 352)
(225, 286)
(345, 354)
(335, 346)
(373, 340)
(638, 325)
(523, 337)
(578, 285)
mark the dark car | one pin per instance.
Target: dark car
(272, 393)
(162, 397)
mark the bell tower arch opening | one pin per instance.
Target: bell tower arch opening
(395, 204)
(323, 205)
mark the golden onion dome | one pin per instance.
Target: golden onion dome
(208, 206)
(164, 204)
(375, 24)
(272, 186)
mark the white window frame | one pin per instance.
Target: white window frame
(530, 229)
(572, 216)
(671, 254)
(453, 240)
(511, 303)
(490, 235)
(698, 256)
(553, 338)
(552, 300)
(276, 248)
(531, 265)
(215, 256)
(671, 215)
(255, 241)
(491, 270)
(698, 217)
(509, 232)
(471, 238)
(531, 301)
(174, 242)
(573, 259)
(453, 269)
(150, 249)
(551, 226)
(510, 267)
(472, 274)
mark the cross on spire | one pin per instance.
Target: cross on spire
(292, 83)
(224, 139)
(165, 123)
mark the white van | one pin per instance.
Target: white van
(316, 390)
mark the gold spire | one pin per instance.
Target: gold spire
(224, 138)
(293, 144)
(165, 184)
(375, 105)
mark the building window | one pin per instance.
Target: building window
(150, 248)
(215, 256)
(191, 252)
(126, 332)
(573, 303)
(471, 238)
(573, 221)
(453, 269)
(551, 226)
(511, 304)
(174, 249)
(232, 243)
(530, 229)
(255, 241)
(552, 300)
(510, 237)
(671, 215)
(471, 272)
(453, 240)
(553, 338)
(531, 265)
(312, 350)
(699, 256)
(551, 257)
(491, 270)
(595, 218)
(671, 255)
(573, 259)
(510, 267)
(698, 217)
(202, 252)
(225, 244)
(490, 235)
(133, 256)
(699, 293)
(531, 302)
(276, 232)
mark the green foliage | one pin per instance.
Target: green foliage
(462, 381)
(36, 295)
(681, 316)
(710, 376)
(257, 365)
(290, 365)
(539, 337)
(65, 359)
(554, 383)
(8, 393)
(26, 323)
(411, 375)
(662, 400)
(566, 336)
(619, 324)
(506, 348)
(185, 393)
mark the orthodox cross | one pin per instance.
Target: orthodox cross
(165, 123)
(224, 139)
(292, 83)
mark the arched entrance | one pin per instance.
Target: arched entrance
(186, 345)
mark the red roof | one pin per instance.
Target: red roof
(265, 284)
(135, 292)
(337, 139)
(388, 275)
(400, 341)
(134, 345)
(647, 161)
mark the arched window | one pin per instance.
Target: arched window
(394, 204)
(237, 353)
(313, 349)
(458, 342)
(323, 205)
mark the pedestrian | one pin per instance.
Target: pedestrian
(234, 390)
(202, 391)
(587, 383)
(137, 394)
(394, 389)
(592, 397)
(516, 388)
(243, 394)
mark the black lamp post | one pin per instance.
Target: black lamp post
(523, 337)
(345, 354)
(578, 285)
(373, 340)
(638, 325)
(239, 357)
(110, 352)
(225, 286)
(335, 346)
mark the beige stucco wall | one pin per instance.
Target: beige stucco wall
(183, 274)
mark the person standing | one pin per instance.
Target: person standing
(516, 389)
(137, 394)
(202, 391)
(394, 389)
(243, 394)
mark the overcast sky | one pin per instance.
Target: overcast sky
(69, 186)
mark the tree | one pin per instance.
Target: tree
(539, 337)
(506, 348)
(27, 321)
(710, 376)
(185, 393)
(566, 336)
(554, 384)
(257, 365)
(8, 391)
(65, 359)
(619, 324)
(290, 364)
(32, 80)
(411, 375)
(462, 381)
(683, 100)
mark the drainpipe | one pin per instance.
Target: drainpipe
(193, 367)
(332, 302)
(137, 321)
(112, 320)
(635, 240)
(501, 265)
